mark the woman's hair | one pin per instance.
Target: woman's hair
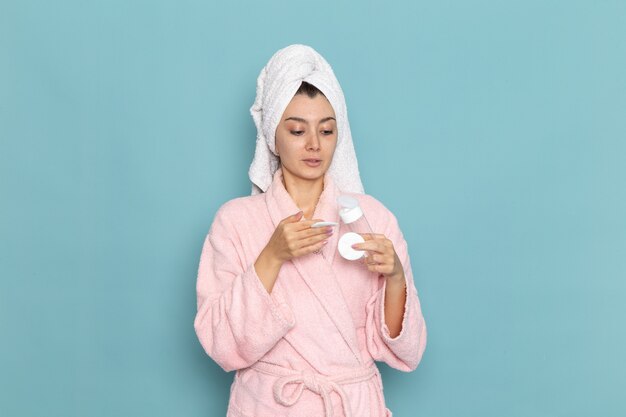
(308, 89)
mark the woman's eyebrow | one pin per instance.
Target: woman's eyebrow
(300, 119)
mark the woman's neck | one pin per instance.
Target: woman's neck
(305, 193)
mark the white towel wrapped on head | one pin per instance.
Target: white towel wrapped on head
(276, 85)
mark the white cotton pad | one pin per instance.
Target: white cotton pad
(345, 246)
(322, 224)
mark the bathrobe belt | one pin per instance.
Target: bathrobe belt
(318, 383)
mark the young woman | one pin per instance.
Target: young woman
(301, 325)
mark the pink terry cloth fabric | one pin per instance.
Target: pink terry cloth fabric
(307, 348)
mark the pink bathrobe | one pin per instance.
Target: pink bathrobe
(307, 349)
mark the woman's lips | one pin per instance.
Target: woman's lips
(312, 162)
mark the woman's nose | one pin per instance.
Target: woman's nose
(313, 142)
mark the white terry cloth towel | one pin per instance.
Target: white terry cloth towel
(276, 85)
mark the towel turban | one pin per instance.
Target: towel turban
(276, 85)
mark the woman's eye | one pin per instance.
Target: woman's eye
(297, 132)
(327, 132)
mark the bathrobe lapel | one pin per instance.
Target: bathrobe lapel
(316, 269)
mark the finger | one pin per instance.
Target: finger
(303, 224)
(293, 218)
(370, 245)
(312, 248)
(380, 268)
(373, 267)
(312, 240)
(373, 259)
(307, 233)
(306, 224)
(327, 228)
(310, 221)
(370, 260)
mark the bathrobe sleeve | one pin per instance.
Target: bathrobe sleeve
(237, 320)
(404, 351)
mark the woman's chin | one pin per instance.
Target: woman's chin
(308, 173)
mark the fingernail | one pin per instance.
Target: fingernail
(325, 242)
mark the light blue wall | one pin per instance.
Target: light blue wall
(496, 131)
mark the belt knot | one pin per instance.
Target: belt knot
(314, 382)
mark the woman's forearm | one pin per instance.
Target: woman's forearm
(395, 298)
(267, 268)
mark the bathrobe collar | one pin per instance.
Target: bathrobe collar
(316, 269)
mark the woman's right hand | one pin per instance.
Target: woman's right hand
(293, 238)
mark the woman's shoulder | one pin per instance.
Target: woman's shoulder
(242, 203)
(239, 208)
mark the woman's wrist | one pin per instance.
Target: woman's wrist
(396, 280)
(269, 258)
(267, 267)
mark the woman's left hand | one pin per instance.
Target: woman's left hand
(382, 256)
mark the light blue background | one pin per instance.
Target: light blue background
(496, 132)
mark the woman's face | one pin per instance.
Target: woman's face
(306, 136)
